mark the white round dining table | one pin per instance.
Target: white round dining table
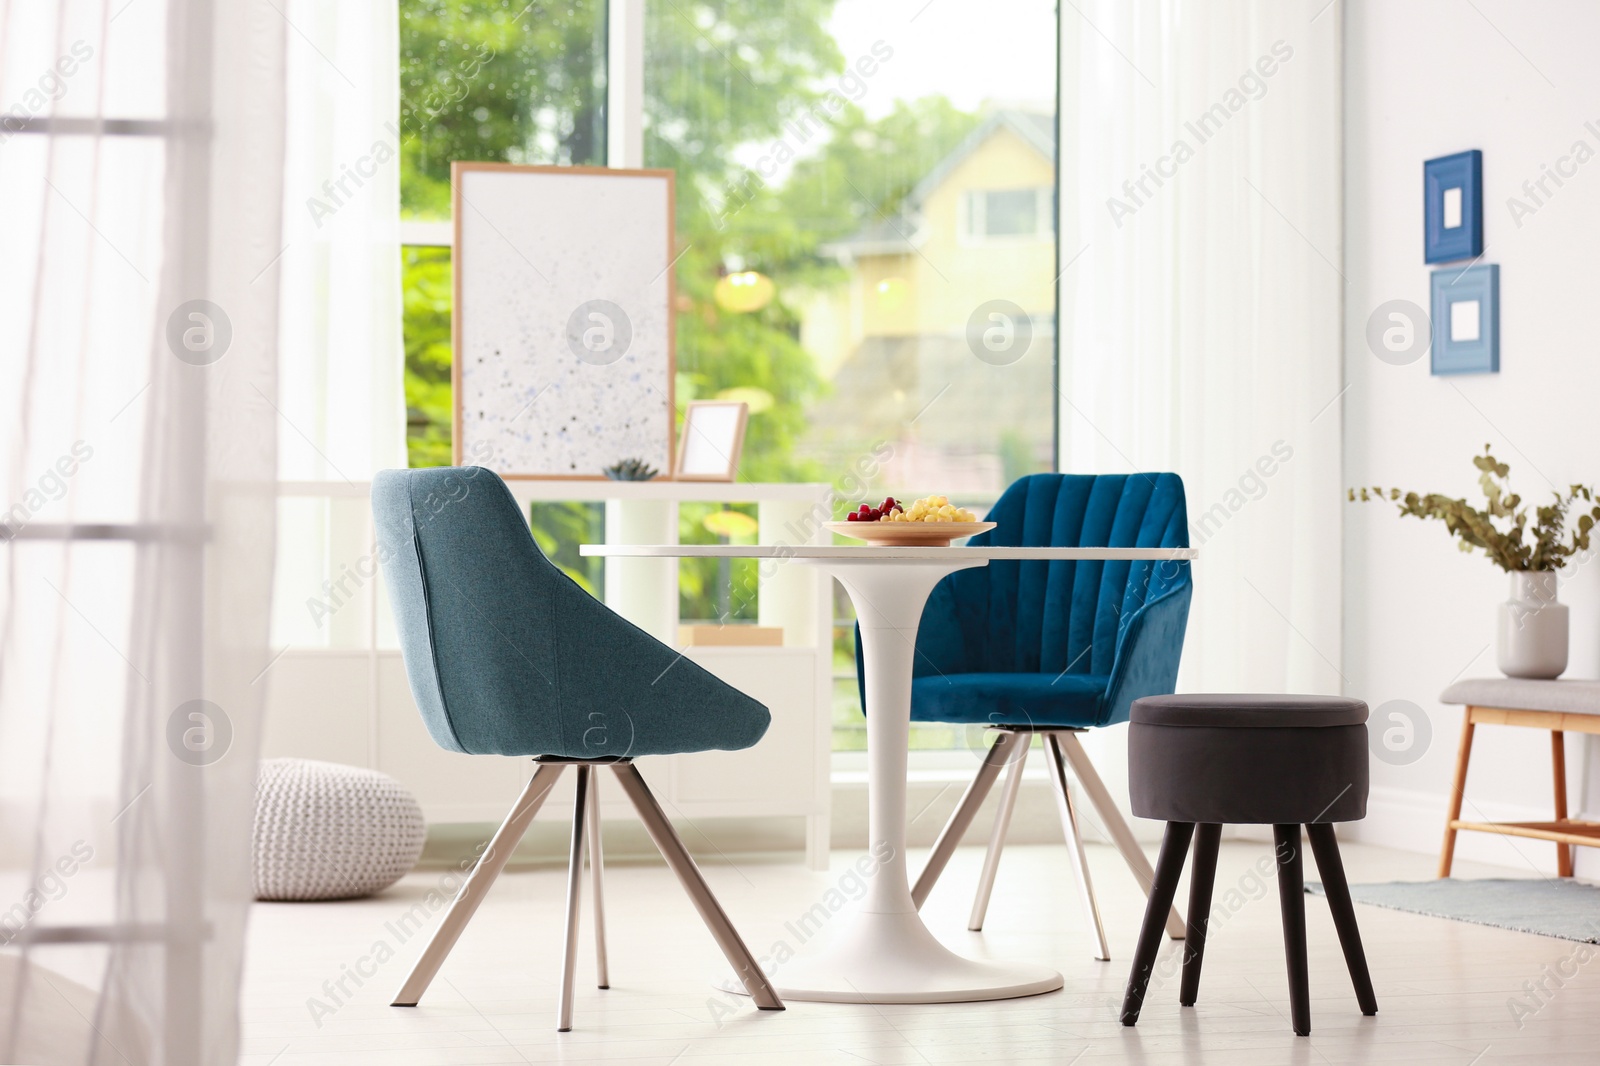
(881, 952)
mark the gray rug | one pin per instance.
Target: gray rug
(1566, 909)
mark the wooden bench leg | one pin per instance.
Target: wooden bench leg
(1558, 767)
(1448, 852)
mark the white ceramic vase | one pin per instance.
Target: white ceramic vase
(1533, 627)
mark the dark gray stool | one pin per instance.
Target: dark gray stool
(1199, 762)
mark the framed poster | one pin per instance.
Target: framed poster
(563, 323)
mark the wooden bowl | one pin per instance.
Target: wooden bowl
(909, 534)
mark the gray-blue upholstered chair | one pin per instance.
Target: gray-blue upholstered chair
(507, 656)
(1054, 649)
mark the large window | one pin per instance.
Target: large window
(851, 151)
(888, 167)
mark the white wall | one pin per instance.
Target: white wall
(1517, 80)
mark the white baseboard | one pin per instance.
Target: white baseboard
(1403, 819)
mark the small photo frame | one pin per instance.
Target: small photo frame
(1452, 207)
(713, 437)
(1466, 320)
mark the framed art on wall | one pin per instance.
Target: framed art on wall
(1466, 320)
(563, 324)
(1452, 207)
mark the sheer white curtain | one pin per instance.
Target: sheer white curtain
(342, 379)
(1200, 305)
(141, 172)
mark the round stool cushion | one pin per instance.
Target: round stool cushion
(1248, 758)
(326, 831)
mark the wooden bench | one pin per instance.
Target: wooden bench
(1559, 706)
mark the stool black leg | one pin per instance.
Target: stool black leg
(1325, 847)
(1202, 872)
(1169, 865)
(1292, 901)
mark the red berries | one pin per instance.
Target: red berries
(868, 513)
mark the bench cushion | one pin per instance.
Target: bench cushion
(1515, 694)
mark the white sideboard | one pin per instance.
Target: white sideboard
(337, 689)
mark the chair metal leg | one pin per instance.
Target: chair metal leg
(1121, 835)
(994, 760)
(727, 937)
(1069, 826)
(569, 955)
(1202, 874)
(1169, 867)
(596, 865)
(477, 885)
(997, 836)
(1325, 848)
(1292, 902)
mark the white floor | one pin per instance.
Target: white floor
(1444, 988)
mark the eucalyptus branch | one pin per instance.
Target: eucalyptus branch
(1499, 527)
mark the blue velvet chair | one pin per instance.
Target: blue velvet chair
(1054, 649)
(507, 656)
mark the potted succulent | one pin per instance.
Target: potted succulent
(630, 470)
(1532, 625)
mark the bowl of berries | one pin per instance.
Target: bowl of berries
(931, 522)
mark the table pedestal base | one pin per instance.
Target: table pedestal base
(892, 958)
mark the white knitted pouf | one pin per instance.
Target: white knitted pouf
(326, 831)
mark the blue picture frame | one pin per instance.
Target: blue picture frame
(1452, 198)
(1466, 320)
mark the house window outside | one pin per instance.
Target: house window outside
(1005, 214)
